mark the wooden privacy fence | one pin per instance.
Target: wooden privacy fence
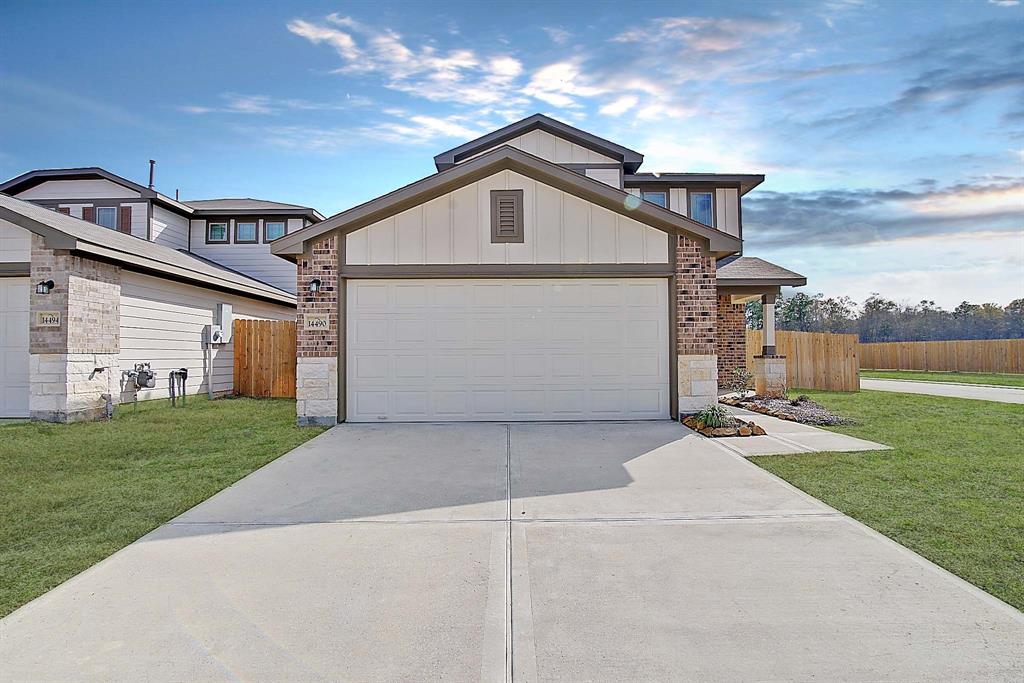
(814, 360)
(264, 358)
(974, 355)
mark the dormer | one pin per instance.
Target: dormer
(556, 142)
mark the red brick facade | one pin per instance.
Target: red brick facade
(319, 262)
(696, 299)
(732, 337)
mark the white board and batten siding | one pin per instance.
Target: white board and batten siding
(553, 148)
(727, 207)
(509, 349)
(254, 260)
(558, 227)
(608, 176)
(162, 323)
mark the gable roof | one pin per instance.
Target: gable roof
(134, 253)
(500, 159)
(240, 205)
(750, 270)
(39, 176)
(630, 159)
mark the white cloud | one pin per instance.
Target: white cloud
(620, 105)
(400, 129)
(557, 34)
(235, 103)
(560, 84)
(1004, 3)
(458, 75)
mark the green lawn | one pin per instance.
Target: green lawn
(71, 495)
(952, 490)
(963, 377)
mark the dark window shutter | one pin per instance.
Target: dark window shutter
(124, 219)
(506, 216)
(64, 210)
(89, 213)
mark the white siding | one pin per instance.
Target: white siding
(455, 228)
(78, 189)
(254, 260)
(608, 176)
(15, 243)
(162, 323)
(169, 229)
(553, 148)
(727, 202)
(677, 200)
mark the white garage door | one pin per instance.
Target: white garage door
(560, 349)
(14, 347)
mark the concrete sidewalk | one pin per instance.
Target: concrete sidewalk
(785, 437)
(526, 552)
(973, 391)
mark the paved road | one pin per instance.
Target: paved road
(601, 552)
(975, 391)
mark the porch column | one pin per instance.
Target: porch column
(768, 307)
(318, 328)
(769, 368)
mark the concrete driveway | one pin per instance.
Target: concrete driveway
(542, 552)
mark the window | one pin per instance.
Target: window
(702, 208)
(216, 231)
(272, 230)
(107, 216)
(245, 232)
(506, 216)
(659, 198)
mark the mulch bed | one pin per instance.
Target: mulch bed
(801, 409)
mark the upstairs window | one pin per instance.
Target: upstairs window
(217, 232)
(702, 208)
(273, 230)
(245, 232)
(659, 198)
(107, 216)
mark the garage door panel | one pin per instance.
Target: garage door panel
(508, 350)
(14, 357)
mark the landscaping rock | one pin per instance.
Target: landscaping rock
(801, 409)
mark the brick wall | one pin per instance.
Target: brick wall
(696, 299)
(319, 262)
(732, 337)
(86, 293)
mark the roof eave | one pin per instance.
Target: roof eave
(498, 159)
(757, 281)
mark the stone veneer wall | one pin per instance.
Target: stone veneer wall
(316, 374)
(731, 342)
(72, 368)
(696, 319)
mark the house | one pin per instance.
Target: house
(538, 275)
(98, 273)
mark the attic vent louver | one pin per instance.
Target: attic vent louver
(506, 216)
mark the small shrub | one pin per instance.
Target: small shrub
(715, 415)
(739, 381)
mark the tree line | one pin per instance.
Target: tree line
(880, 320)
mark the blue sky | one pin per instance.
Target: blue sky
(891, 134)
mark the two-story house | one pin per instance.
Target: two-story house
(538, 275)
(98, 273)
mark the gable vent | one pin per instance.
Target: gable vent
(506, 216)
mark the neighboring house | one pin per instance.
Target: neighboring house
(137, 277)
(536, 276)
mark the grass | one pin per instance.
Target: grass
(962, 377)
(952, 490)
(71, 495)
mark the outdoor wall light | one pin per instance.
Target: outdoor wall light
(44, 287)
(314, 286)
